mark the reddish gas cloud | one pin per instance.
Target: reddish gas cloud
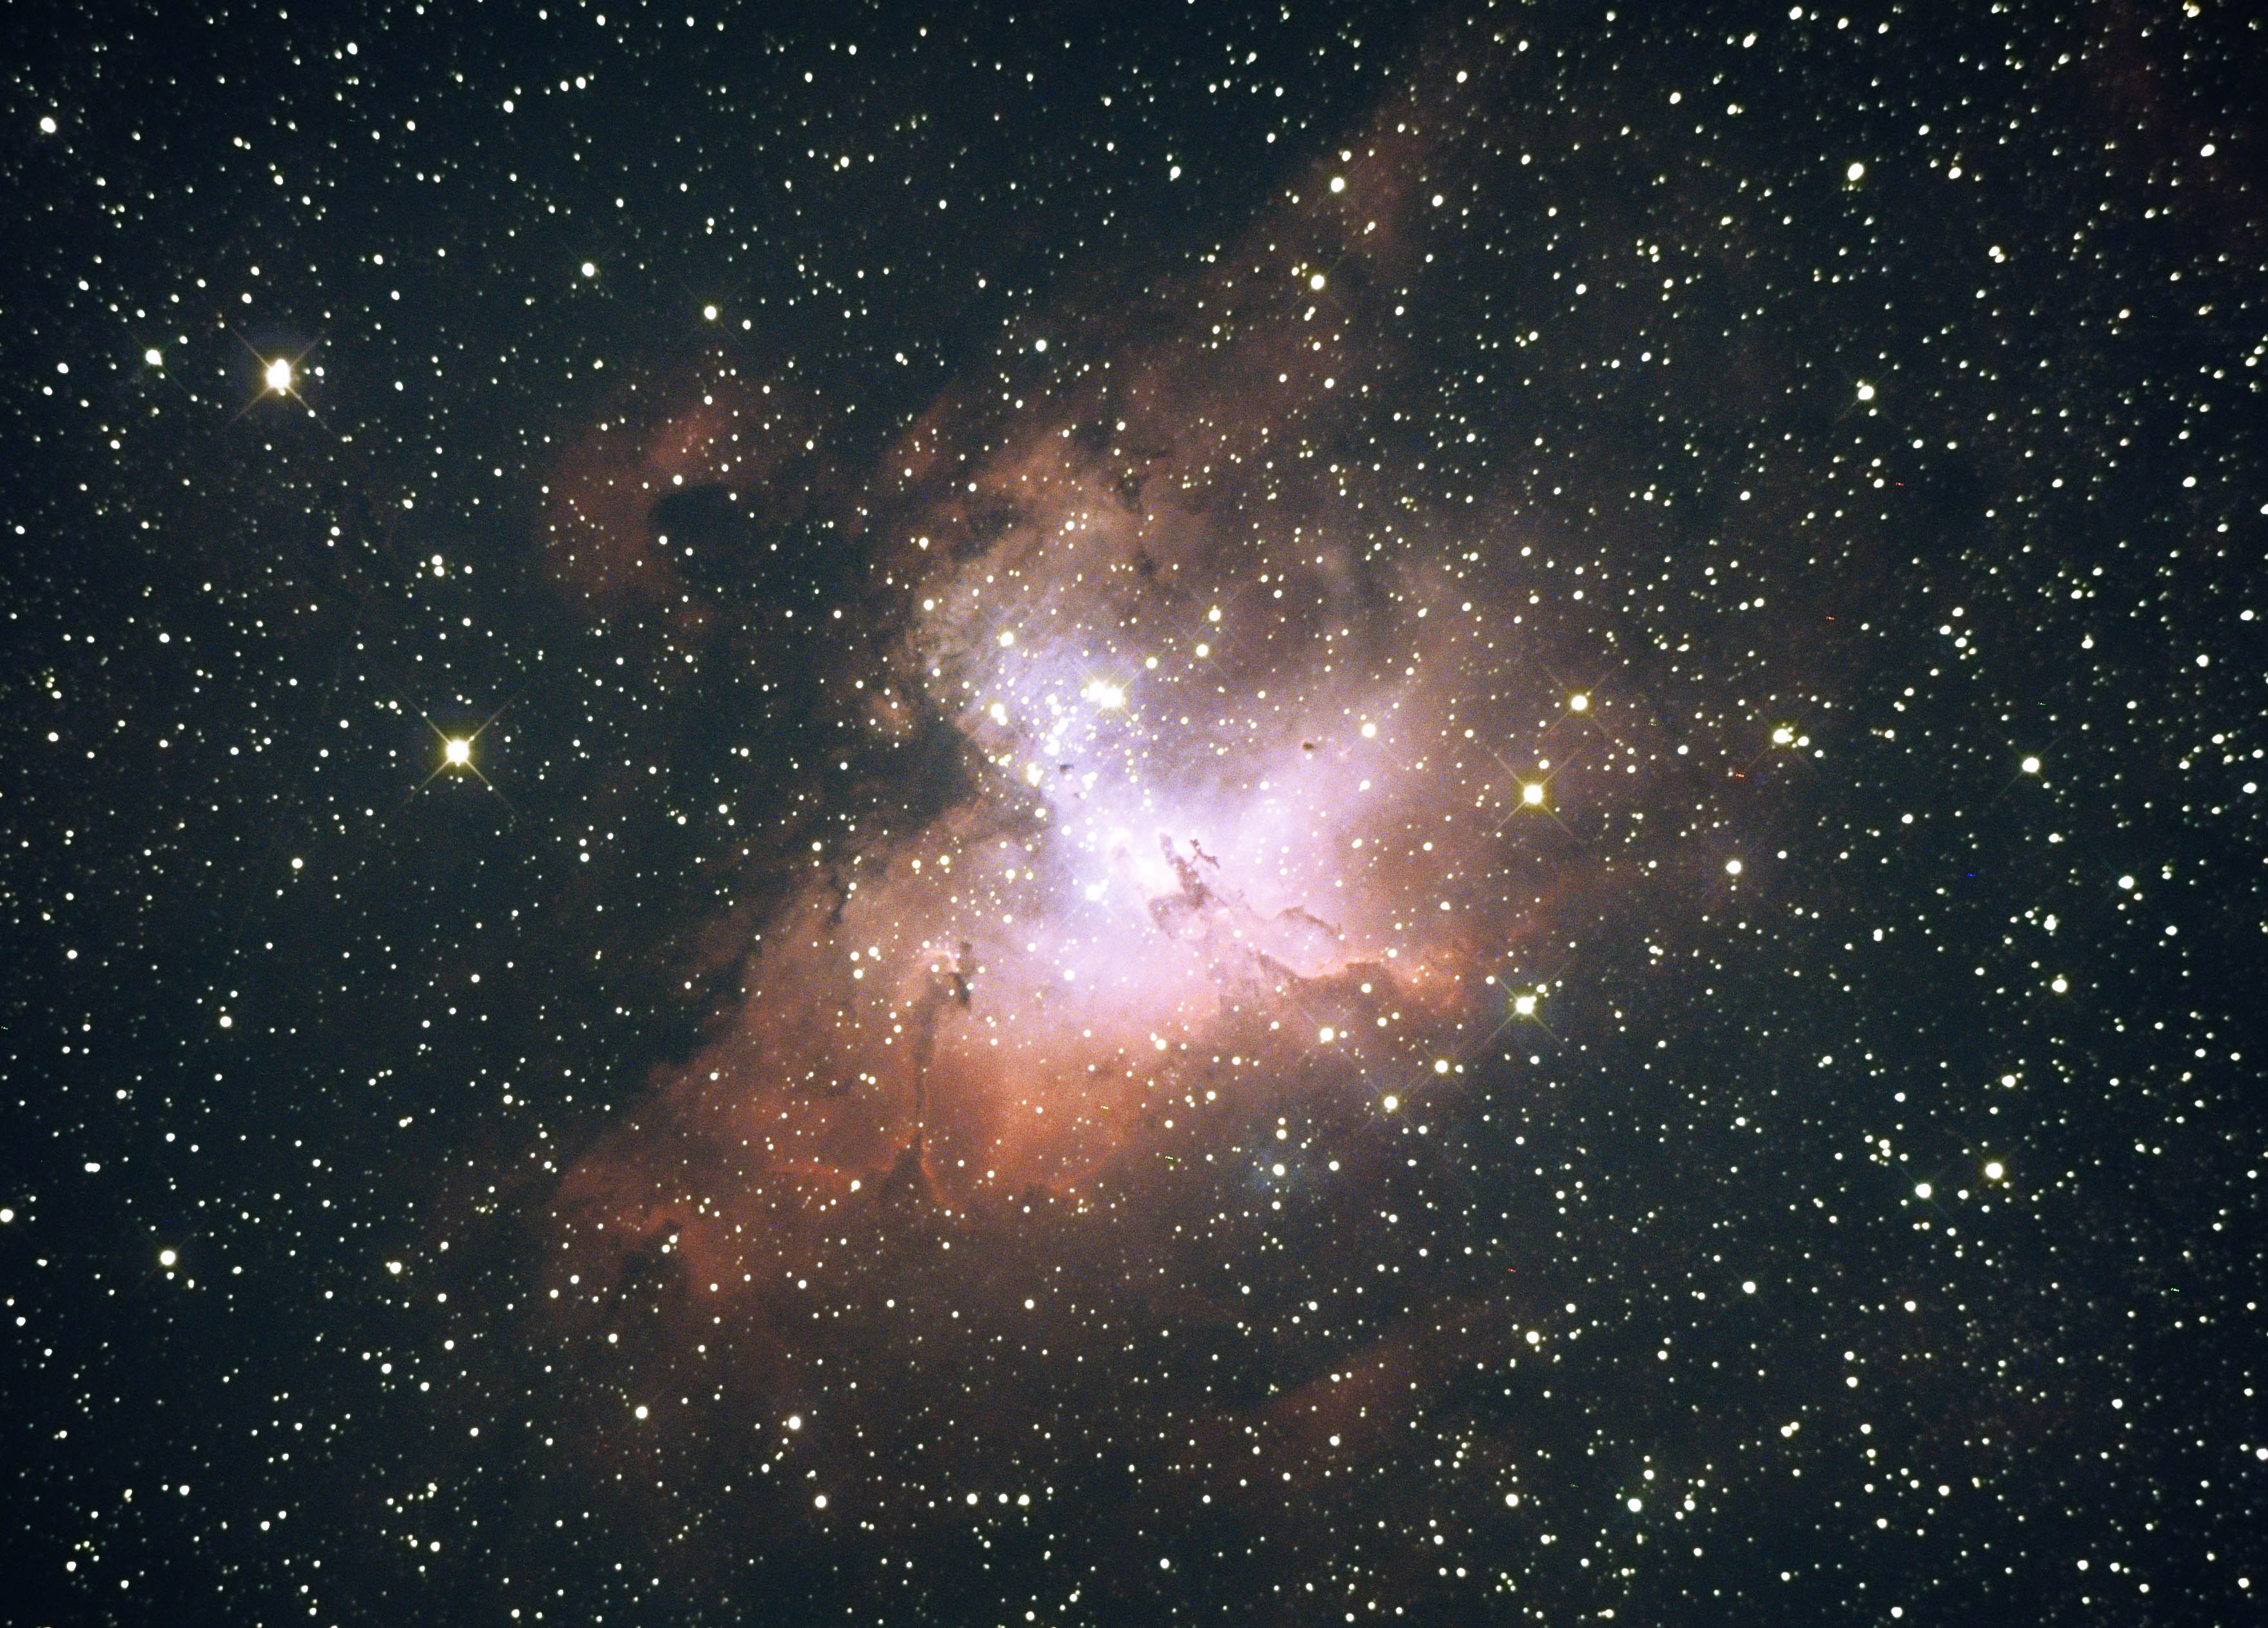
(753, 433)
(1264, 785)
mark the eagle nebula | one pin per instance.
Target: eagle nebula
(1188, 776)
(1121, 816)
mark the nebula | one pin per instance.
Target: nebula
(1258, 777)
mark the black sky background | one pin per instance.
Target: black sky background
(225, 635)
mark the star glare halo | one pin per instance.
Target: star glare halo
(457, 758)
(279, 369)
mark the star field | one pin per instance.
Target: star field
(864, 815)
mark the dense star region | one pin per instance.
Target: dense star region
(1178, 815)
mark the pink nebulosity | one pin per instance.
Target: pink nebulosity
(1264, 802)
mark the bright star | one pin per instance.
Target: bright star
(279, 376)
(457, 757)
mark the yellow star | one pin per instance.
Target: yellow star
(457, 757)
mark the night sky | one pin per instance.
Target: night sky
(1097, 814)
